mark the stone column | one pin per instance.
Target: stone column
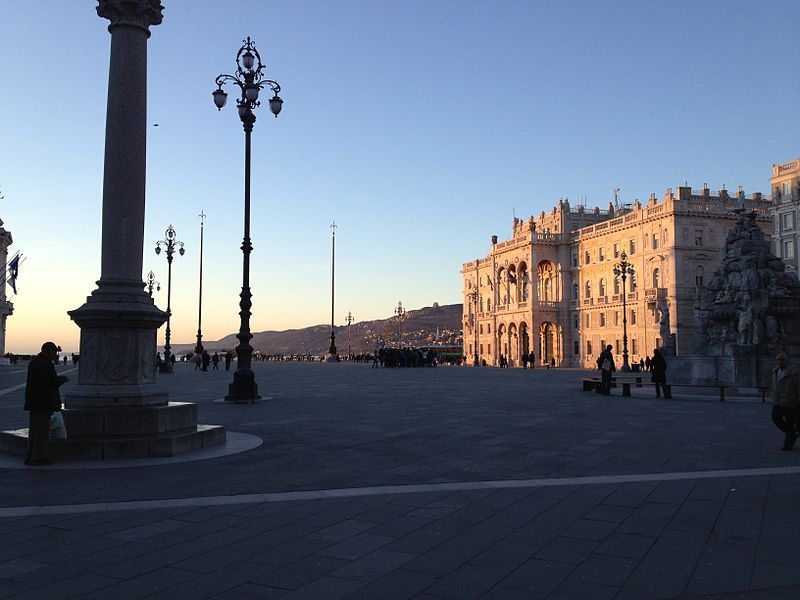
(119, 320)
(6, 308)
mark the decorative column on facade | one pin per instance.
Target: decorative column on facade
(495, 298)
(6, 308)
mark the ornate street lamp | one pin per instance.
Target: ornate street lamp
(473, 296)
(198, 349)
(349, 320)
(332, 354)
(623, 269)
(170, 243)
(152, 283)
(400, 312)
(249, 78)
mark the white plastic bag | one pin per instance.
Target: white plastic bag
(57, 429)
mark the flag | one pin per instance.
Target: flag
(511, 278)
(13, 271)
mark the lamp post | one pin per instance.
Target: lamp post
(152, 283)
(349, 320)
(400, 312)
(249, 78)
(332, 354)
(198, 349)
(170, 243)
(622, 269)
(473, 296)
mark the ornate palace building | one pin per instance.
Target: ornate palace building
(785, 184)
(551, 288)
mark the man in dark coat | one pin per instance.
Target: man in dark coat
(786, 399)
(605, 362)
(659, 377)
(228, 358)
(42, 399)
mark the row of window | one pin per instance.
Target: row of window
(633, 347)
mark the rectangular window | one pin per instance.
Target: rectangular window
(577, 322)
(602, 319)
(588, 347)
(787, 222)
(616, 250)
(602, 345)
(632, 247)
(633, 316)
(488, 328)
(588, 322)
(617, 346)
(480, 328)
(470, 349)
(698, 237)
(586, 258)
(488, 348)
(698, 281)
(616, 317)
(481, 347)
(634, 346)
(577, 347)
(788, 248)
(601, 254)
(574, 258)
(655, 241)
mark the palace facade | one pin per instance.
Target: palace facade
(785, 184)
(551, 288)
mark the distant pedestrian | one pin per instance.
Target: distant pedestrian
(42, 399)
(215, 361)
(228, 358)
(648, 363)
(532, 360)
(524, 360)
(641, 364)
(196, 359)
(553, 361)
(605, 362)
(786, 399)
(206, 359)
(659, 377)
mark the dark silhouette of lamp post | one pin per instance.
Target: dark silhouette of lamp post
(473, 296)
(400, 312)
(249, 77)
(199, 346)
(622, 269)
(170, 243)
(332, 355)
(152, 283)
(349, 321)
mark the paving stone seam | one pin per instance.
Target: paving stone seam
(321, 494)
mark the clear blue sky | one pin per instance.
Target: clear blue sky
(418, 126)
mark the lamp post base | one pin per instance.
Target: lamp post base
(332, 358)
(244, 389)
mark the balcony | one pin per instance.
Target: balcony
(654, 294)
(588, 301)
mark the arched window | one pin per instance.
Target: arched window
(601, 289)
(632, 282)
(587, 290)
(523, 283)
(656, 278)
(575, 291)
(616, 284)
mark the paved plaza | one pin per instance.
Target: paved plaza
(417, 483)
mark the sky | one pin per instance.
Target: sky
(420, 127)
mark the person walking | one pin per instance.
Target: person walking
(524, 360)
(42, 399)
(206, 359)
(532, 360)
(228, 359)
(605, 362)
(786, 399)
(215, 361)
(658, 366)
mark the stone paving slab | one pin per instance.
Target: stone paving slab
(517, 485)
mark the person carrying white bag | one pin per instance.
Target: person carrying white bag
(42, 401)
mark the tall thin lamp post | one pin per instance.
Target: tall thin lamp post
(349, 321)
(623, 269)
(199, 346)
(332, 355)
(473, 296)
(400, 312)
(170, 243)
(249, 77)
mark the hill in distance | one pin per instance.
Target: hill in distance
(418, 327)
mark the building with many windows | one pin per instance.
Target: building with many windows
(785, 184)
(551, 288)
